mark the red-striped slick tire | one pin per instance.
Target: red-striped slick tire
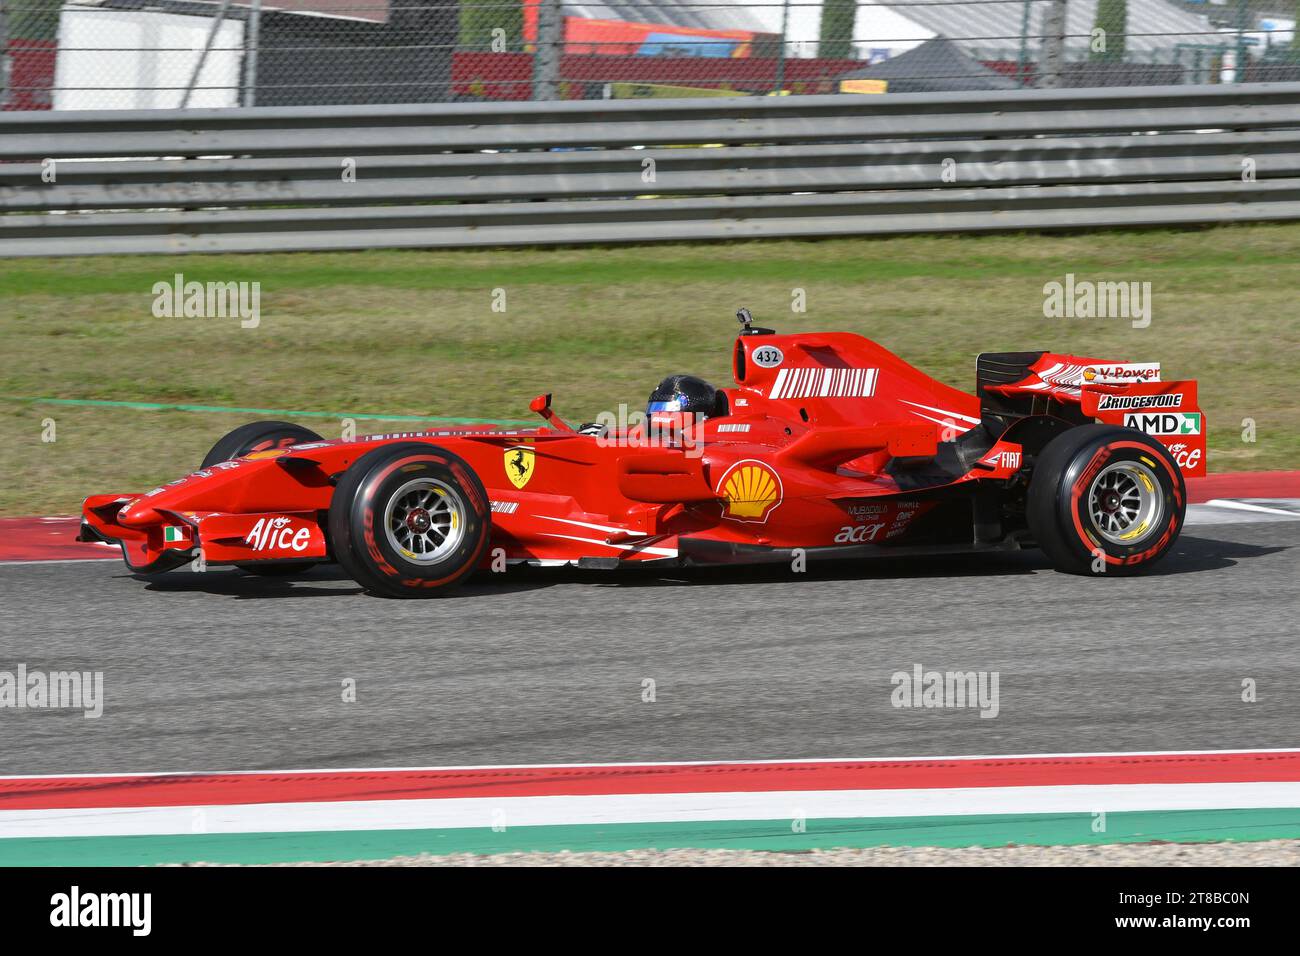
(1105, 500)
(396, 558)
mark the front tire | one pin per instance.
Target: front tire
(409, 520)
(257, 436)
(1105, 500)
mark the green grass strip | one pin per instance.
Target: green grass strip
(161, 407)
(1179, 826)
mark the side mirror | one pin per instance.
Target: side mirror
(542, 406)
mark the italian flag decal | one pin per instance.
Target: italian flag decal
(175, 533)
(260, 817)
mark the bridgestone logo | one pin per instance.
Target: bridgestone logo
(1112, 402)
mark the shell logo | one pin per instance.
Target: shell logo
(750, 491)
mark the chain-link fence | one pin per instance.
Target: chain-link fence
(142, 54)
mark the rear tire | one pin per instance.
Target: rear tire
(1105, 500)
(258, 436)
(409, 520)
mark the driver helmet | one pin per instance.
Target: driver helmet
(683, 397)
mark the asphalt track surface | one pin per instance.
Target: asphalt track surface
(223, 671)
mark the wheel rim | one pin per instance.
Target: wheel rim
(1125, 503)
(425, 520)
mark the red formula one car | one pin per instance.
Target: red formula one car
(828, 446)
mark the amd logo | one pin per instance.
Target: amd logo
(1167, 423)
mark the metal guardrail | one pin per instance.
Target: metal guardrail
(575, 172)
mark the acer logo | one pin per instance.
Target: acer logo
(278, 534)
(856, 534)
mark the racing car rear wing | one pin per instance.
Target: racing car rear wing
(1128, 394)
(1167, 411)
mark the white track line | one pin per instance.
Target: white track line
(61, 561)
(774, 761)
(1250, 505)
(1234, 511)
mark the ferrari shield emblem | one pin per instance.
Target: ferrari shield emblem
(520, 461)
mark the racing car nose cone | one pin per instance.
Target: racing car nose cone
(133, 516)
(418, 520)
